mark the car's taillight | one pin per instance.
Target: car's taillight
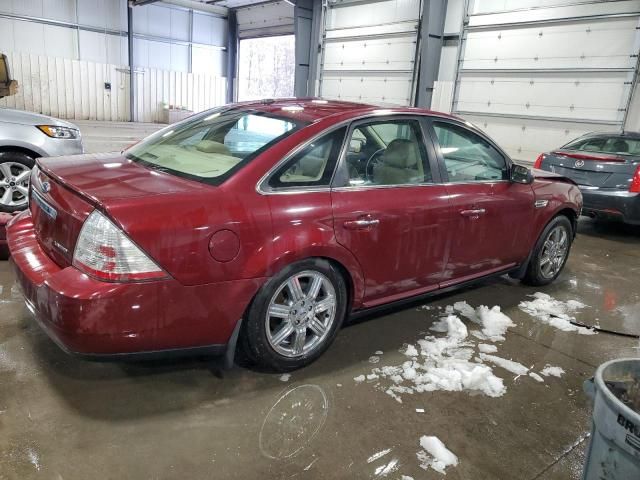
(635, 181)
(103, 251)
(538, 162)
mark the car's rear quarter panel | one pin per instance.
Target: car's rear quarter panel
(561, 195)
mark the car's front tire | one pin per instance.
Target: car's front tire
(296, 315)
(15, 171)
(550, 252)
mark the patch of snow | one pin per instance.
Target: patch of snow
(411, 351)
(374, 359)
(378, 455)
(467, 311)
(384, 470)
(378, 352)
(419, 410)
(406, 477)
(393, 395)
(359, 378)
(372, 376)
(443, 363)
(494, 323)
(34, 458)
(487, 348)
(285, 377)
(555, 313)
(552, 371)
(306, 469)
(536, 377)
(510, 365)
(435, 454)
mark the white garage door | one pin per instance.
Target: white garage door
(536, 78)
(265, 19)
(369, 51)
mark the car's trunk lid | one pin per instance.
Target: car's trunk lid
(65, 190)
(595, 170)
(58, 214)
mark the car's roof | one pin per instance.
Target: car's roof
(315, 109)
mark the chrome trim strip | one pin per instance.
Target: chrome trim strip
(375, 187)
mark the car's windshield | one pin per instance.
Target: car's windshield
(606, 144)
(209, 147)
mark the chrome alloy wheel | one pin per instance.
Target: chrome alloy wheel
(300, 314)
(554, 252)
(14, 184)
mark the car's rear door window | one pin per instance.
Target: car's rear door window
(313, 166)
(467, 156)
(210, 147)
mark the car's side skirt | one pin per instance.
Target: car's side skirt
(429, 295)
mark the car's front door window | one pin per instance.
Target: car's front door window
(467, 156)
(387, 153)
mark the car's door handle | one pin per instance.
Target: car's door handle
(361, 223)
(474, 212)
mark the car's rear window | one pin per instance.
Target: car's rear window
(615, 145)
(210, 147)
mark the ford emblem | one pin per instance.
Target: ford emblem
(46, 187)
(579, 163)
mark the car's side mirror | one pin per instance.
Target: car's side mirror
(521, 174)
(7, 85)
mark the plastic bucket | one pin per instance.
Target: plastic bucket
(614, 449)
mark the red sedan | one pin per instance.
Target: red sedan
(265, 224)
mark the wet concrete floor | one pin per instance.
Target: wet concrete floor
(62, 418)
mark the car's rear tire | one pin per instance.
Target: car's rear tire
(295, 316)
(550, 253)
(15, 168)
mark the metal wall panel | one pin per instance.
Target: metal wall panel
(369, 51)
(70, 89)
(161, 21)
(63, 10)
(75, 89)
(110, 14)
(209, 30)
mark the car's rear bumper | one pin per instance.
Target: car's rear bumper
(102, 320)
(612, 204)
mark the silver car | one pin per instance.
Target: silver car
(25, 136)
